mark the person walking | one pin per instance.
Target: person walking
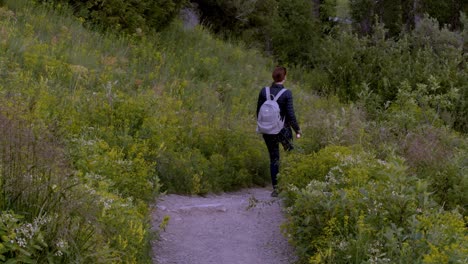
(284, 99)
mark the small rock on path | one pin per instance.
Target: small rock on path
(232, 228)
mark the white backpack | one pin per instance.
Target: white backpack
(269, 119)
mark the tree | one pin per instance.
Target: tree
(390, 13)
(362, 12)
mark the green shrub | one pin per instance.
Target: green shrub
(299, 170)
(355, 208)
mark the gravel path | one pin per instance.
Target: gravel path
(232, 228)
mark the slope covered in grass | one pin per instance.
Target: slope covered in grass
(94, 126)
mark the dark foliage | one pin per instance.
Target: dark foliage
(404, 14)
(129, 16)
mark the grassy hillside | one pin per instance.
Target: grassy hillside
(94, 126)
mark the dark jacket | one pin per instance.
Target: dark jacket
(285, 103)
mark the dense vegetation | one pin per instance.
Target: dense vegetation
(130, 17)
(92, 124)
(95, 125)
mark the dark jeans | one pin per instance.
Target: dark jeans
(272, 143)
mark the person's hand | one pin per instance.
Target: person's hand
(298, 135)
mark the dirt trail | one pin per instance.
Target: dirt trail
(232, 228)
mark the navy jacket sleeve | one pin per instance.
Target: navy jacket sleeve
(288, 106)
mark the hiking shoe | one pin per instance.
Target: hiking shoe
(274, 193)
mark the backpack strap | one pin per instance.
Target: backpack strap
(268, 95)
(272, 97)
(279, 94)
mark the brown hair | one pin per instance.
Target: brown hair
(279, 73)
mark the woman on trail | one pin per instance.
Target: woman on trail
(285, 103)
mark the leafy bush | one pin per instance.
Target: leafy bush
(347, 206)
(300, 170)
